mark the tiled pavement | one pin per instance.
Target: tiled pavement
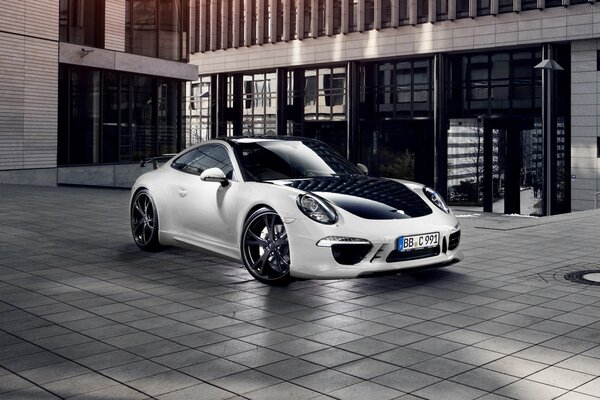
(85, 315)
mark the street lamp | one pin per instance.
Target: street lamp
(548, 66)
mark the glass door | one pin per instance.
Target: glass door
(495, 165)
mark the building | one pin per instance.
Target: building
(441, 91)
(89, 87)
(445, 92)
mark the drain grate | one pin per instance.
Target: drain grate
(588, 277)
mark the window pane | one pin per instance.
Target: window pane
(505, 6)
(85, 22)
(483, 7)
(337, 16)
(310, 94)
(144, 141)
(110, 118)
(422, 10)
(84, 138)
(307, 18)
(442, 9)
(170, 29)
(353, 16)
(167, 117)
(369, 14)
(144, 28)
(63, 20)
(125, 126)
(322, 18)
(386, 13)
(462, 8)
(403, 11)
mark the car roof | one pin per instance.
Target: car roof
(250, 139)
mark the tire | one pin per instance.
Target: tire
(265, 247)
(144, 221)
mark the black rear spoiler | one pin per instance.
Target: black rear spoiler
(156, 161)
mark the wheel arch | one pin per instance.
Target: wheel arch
(156, 206)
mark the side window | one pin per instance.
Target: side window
(202, 158)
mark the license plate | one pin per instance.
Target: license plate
(416, 242)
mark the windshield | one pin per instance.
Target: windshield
(267, 159)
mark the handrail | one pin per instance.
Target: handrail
(596, 200)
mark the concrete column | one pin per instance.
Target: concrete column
(566, 2)
(287, 11)
(472, 8)
(221, 105)
(260, 21)
(432, 11)
(395, 12)
(203, 20)
(345, 15)
(281, 99)
(314, 18)
(273, 21)
(360, 21)
(440, 125)
(451, 10)
(542, 4)
(248, 23)
(329, 17)
(225, 15)
(494, 7)
(235, 15)
(213, 24)
(412, 12)
(300, 18)
(352, 109)
(377, 15)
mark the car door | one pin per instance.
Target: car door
(205, 211)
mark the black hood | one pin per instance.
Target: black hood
(366, 197)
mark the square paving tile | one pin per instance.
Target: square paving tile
(245, 381)
(406, 380)
(326, 381)
(366, 390)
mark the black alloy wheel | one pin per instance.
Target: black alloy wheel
(265, 247)
(144, 221)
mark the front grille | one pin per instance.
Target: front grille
(454, 240)
(396, 255)
(350, 254)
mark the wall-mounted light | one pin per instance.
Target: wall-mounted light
(84, 52)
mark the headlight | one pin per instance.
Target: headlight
(316, 209)
(436, 199)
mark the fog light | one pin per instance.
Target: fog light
(333, 240)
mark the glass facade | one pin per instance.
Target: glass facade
(108, 117)
(157, 28)
(495, 139)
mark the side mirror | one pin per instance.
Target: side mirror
(363, 168)
(214, 175)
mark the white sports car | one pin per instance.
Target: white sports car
(291, 207)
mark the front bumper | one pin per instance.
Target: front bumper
(312, 261)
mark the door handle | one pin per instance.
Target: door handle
(182, 192)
